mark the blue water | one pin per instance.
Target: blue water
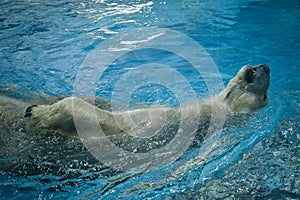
(43, 44)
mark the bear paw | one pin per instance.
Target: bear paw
(28, 112)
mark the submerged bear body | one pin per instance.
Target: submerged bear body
(247, 91)
(153, 126)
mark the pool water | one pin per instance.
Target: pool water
(44, 43)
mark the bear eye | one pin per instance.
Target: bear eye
(249, 76)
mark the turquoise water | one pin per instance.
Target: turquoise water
(43, 44)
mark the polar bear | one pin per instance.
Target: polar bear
(247, 91)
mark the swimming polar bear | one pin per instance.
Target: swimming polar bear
(247, 91)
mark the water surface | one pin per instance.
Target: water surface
(43, 44)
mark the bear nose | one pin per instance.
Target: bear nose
(265, 68)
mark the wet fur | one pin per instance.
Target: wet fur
(247, 91)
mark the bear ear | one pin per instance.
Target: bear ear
(227, 95)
